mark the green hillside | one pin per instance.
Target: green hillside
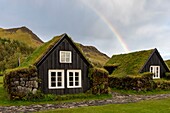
(96, 57)
(16, 44)
(21, 42)
(22, 34)
(13, 52)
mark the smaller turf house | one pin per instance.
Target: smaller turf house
(57, 67)
(137, 70)
(138, 62)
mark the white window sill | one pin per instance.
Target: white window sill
(74, 87)
(156, 78)
(56, 88)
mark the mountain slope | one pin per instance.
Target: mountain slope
(13, 52)
(22, 34)
(96, 57)
(14, 41)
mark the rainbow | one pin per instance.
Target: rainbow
(109, 24)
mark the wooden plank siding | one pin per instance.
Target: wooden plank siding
(51, 61)
(155, 60)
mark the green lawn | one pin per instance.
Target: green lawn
(4, 101)
(151, 106)
(133, 92)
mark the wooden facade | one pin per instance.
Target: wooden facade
(51, 61)
(155, 59)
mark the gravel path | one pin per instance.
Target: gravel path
(116, 99)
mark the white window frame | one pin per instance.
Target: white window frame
(156, 71)
(79, 81)
(65, 57)
(62, 79)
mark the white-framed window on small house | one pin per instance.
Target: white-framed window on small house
(65, 57)
(156, 71)
(74, 78)
(55, 79)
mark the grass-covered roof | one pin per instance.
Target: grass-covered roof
(167, 63)
(129, 64)
(41, 51)
(94, 58)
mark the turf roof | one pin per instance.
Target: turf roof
(129, 64)
(167, 63)
(41, 51)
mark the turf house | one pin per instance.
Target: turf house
(59, 67)
(137, 62)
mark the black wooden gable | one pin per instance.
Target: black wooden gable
(64, 37)
(51, 61)
(155, 59)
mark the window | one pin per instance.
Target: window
(65, 56)
(156, 71)
(73, 78)
(55, 79)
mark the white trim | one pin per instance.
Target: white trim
(79, 79)
(156, 71)
(56, 78)
(64, 57)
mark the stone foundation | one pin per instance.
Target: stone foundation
(20, 82)
(24, 85)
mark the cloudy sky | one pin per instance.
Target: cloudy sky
(113, 26)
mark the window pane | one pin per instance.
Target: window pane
(59, 74)
(70, 79)
(53, 79)
(70, 83)
(71, 74)
(76, 78)
(62, 54)
(68, 54)
(76, 74)
(62, 57)
(53, 74)
(59, 84)
(67, 59)
(59, 79)
(151, 69)
(76, 83)
(53, 84)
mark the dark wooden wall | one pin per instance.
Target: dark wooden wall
(52, 62)
(155, 60)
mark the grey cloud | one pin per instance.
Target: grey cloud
(143, 24)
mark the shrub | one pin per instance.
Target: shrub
(30, 96)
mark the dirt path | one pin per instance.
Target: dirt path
(116, 99)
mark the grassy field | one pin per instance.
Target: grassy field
(151, 106)
(133, 92)
(4, 101)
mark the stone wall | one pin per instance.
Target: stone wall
(20, 82)
(99, 80)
